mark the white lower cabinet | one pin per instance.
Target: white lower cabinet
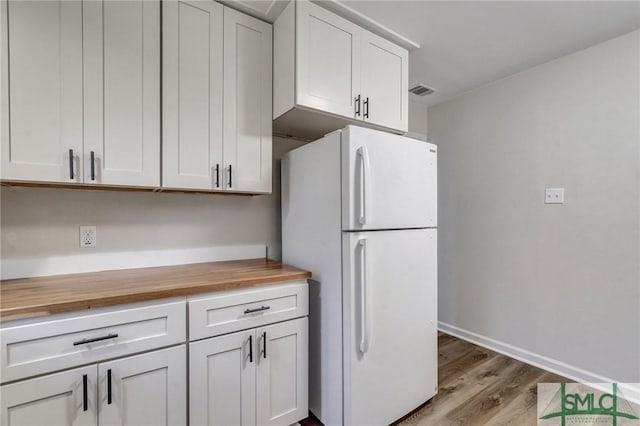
(253, 377)
(148, 389)
(222, 380)
(134, 373)
(247, 365)
(67, 398)
(282, 373)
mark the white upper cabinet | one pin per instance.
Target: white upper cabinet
(192, 94)
(84, 92)
(247, 103)
(81, 99)
(122, 92)
(325, 63)
(385, 75)
(328, 59)
(42, 87)
(216, 99)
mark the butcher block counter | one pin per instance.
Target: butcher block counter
(34, 297)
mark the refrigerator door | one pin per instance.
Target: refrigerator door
(388, 181)
(390, 337)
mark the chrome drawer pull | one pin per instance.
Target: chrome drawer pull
(260, 309)
(95, 339)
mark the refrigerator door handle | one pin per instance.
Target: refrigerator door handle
(364, 317)
(364, 216)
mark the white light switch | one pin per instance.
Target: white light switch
(554, 196)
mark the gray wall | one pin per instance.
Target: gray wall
(417, 119)
(39, 222)
(561, 281)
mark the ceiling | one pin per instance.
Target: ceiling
(467, 44)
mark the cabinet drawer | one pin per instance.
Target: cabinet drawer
(235, 310)
(62, 341)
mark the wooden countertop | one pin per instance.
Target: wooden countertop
(32, 297)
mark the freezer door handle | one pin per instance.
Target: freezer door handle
(365, 213)
(365, 330)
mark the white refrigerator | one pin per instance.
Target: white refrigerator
(359, 211)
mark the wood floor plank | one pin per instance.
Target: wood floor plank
(486, 404)
(467, 361)
(444, 339)
(454, 351)
(459, 388)
(523, 409)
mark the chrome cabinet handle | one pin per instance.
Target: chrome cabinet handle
(357, 105)
(365, 106)
(93, 165)
(217, 175)
(260, 309)
(71, 174)
(95, 339)
(230, 175)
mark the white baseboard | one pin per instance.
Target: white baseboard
(630, 391)
(93, 262)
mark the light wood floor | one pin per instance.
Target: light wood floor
(478, 387)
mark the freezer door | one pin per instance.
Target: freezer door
(388, 181)
(390, 337)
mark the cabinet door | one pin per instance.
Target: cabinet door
(247, 103)
(41, 55)
(222, 380)
(192, 94)
(384, 82)
(55, 399)
(282, 373)
(148, 389)
(328, 60)
(122, 92)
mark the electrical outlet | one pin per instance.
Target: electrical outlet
(88, 236)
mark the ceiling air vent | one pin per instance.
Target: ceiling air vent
(421, 90)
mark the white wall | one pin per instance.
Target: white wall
(38, 222)
(561, 281)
